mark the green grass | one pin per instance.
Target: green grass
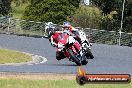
(11, 56)
(17, 83)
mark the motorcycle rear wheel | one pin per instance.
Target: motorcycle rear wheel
(89, 54)
(74, 58)
(84, 62)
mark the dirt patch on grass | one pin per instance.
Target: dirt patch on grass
(37, 76)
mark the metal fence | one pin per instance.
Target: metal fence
(23, 27)
(109, 37)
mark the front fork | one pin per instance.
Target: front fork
(79, 52)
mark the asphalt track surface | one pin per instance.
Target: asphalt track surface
(108, 58)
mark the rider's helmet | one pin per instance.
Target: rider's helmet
(50, 23)
(66, 25)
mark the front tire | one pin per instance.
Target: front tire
(89, 54)
(74, 58)
(59, 55)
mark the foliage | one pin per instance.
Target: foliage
(128, 16)
(17, 11)
(5, 7)
(20, 2)
(109, 23)
(50, 10)
(128, 24)
(58, 11)
(107, 6)
(87, 17)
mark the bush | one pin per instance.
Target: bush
(5, 7)
(109, 23)
(50, 10)
(87, 17)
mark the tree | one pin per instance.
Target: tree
(109, 23)
(50, 10)
(5, 7)
(128, 16)
(108, 6)
(20, 2)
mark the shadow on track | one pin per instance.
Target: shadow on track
(61, 64)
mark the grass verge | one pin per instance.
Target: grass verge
(22, 80)
(11, 56)
(22, 83)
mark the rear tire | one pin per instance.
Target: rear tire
(74, 58)
(84, 62)
(89, 54)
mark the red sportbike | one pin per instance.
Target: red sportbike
(69, 48)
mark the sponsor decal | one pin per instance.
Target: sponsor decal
(83, 78)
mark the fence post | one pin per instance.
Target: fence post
(119, 38)
(9, 20)
(123, 6)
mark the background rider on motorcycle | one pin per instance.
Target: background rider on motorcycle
(73, 31)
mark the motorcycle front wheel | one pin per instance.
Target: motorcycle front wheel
(60, 55)
(89, 54)
(74, 58)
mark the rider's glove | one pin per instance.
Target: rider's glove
(53, 45)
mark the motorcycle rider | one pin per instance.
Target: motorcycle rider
(54, 38)
(73, 31)
(49, 27)
(66, 28)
